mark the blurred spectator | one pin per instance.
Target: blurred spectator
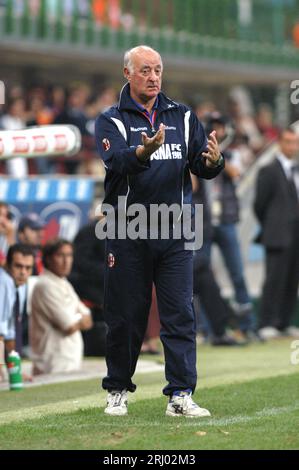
(14, 118)
(100, 103)
(295, 34)
(90, 163)
(30, 232)
(242, 114)
(107, 12)
(87, 278)
(13, 296)
(224, 206)
(203, 108)
(264, 120)
(40, 114)
(215, 308)
(7, 231)
(57, 314)
(30, 229)
(277, 209)
(75, 114)
(241, 151)
(17, 91)
(58, 99)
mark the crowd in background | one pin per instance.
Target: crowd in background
(251, 130)
(56, 105)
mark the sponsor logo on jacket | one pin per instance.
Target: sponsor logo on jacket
(138, 129)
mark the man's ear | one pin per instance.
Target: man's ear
(126, 73)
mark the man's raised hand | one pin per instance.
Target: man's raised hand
(150, 144)
(213, 154)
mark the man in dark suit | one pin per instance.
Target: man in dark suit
(277, 209)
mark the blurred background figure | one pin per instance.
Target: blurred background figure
(14, 118)
(265, 123)
(241, 111)
(7, 231)
(75, 114)
(58, 316)
(215, 315)
(87, 278)
(30, 232)
(277, 209)
(13, 299)
(224, 210)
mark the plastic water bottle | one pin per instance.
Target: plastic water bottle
(14, 371)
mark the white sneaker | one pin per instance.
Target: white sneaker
(292, 331)
(117, 403)
(269, 332)
(183, 405)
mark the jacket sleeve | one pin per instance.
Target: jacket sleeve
(114, 150)
(196, 145)
(263, 193)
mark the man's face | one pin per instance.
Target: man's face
(3, 218)
(21, 268)
(289, 144)
(61, 262)
(146, 77)
(31, 237)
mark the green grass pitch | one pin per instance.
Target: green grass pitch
(251, 392)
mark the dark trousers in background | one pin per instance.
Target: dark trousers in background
(226, 237)
(205, 286)
(134, 266)
(280, 289)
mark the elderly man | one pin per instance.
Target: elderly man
(57, 314)
(149, 144)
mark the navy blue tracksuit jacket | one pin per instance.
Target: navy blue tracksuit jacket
(133, 265)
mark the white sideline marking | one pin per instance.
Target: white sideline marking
(41, 412)
(264, 413)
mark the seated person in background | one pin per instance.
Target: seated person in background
(57, 314)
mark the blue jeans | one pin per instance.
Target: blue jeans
(225, 235)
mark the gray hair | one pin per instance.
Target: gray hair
(128, 62)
